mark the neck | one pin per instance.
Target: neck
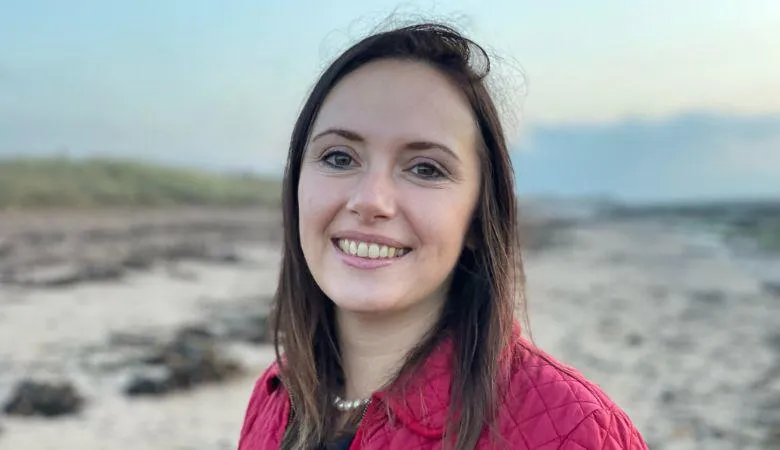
(373, 347)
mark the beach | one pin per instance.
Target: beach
(679, 331)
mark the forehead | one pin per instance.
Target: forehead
(390, 99)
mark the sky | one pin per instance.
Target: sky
(642, 100)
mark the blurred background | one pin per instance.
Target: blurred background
(142, 145)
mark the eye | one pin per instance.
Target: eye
(427, 171)
(338, 159)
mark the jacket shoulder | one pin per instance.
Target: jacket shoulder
(548, 404)
(604, 430)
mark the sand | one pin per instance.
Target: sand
(675, 329)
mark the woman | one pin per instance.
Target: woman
(401, 270)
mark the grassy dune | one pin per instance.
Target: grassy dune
(54, 182)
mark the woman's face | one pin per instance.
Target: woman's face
(388, 186)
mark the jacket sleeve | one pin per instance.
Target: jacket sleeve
(604, 430)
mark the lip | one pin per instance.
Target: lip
(363, 263)
(358, 262)
(374, 238)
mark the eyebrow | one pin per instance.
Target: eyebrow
(415, 145)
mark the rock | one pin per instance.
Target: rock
(186, 250)
(101, 272)
(709, 297)
(229, 257)
(609, 326)
(46, 399)
(634, 340)
(149, 383)
(139, 259)
(194, 331)
(190, 359)
(193, 358)
(127, 339)
(224, 253)
(772, 288)
(6, 248)
(253, 328)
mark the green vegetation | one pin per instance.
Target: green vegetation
(55, 182)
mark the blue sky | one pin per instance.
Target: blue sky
(640, 100)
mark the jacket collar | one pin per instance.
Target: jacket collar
(421, 403)
(421, 400)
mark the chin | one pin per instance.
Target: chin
(363, 304)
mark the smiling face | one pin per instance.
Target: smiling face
(388, 187)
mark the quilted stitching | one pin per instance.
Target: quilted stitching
(546, 406)
(546, 402)
(604, 430)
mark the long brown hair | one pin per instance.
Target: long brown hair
(488, 279)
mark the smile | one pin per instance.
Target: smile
(369, 250)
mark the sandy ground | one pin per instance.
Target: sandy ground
(677, 331)
(61, 334)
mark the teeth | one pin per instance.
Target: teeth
(369, 249)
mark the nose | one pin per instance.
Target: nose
(373, 198)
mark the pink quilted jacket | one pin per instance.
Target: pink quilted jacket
(547, 406)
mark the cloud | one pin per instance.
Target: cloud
(686, 156)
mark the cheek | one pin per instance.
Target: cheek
(306, 199)
(442, 222)
(317, 201)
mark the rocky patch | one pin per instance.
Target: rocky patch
(31, 398)
(190, 359)
(51, 258)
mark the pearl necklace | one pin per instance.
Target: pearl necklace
(347, 406)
